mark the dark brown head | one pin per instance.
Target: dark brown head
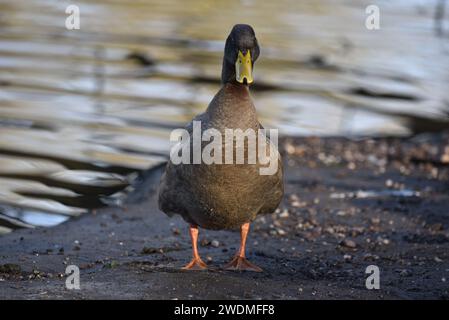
(241, 51)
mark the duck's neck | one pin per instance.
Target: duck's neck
(235, 95)
(232, 107)
(227, 72)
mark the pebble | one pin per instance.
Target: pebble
(445, 156)
(277, 224)
(284, 214)
(298, 204)
(347, 257)
(215, 243)
(348, 243)
(289, 148)
(281, 232)
(341, 213)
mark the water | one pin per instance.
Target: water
(83, 111)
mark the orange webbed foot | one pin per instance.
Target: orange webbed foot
(195, 264)
(241, 264)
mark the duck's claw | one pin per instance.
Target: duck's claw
(241, 264)
(195, 264)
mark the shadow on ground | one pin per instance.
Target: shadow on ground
(348, 205)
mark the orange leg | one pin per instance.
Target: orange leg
(196, 263)
(239, 262)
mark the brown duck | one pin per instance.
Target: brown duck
(225, 196)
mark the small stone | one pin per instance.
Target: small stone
(341, 213)
(298, 204)
(445, 156)
(389, 183)
(294, 197)
(284, 214)
(281, 232)
(215, 243)
(347, 257)
(348, 243)
(289, 148)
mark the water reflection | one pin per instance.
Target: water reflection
(81, 112)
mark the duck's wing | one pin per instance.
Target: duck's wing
(274, 196)
(276, 193)
(172, 195)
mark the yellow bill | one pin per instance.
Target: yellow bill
(243, 68)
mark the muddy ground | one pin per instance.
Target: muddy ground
(348, 204)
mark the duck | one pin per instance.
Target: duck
(223, 196)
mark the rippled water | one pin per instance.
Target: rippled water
(83, 111)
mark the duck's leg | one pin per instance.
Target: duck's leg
(196, 263)
(239, 262)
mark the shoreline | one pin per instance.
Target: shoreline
(348, 204)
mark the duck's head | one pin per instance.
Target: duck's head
(240, 53)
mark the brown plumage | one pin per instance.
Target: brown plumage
(223, 196)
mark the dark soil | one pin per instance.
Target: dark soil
(348, 205)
